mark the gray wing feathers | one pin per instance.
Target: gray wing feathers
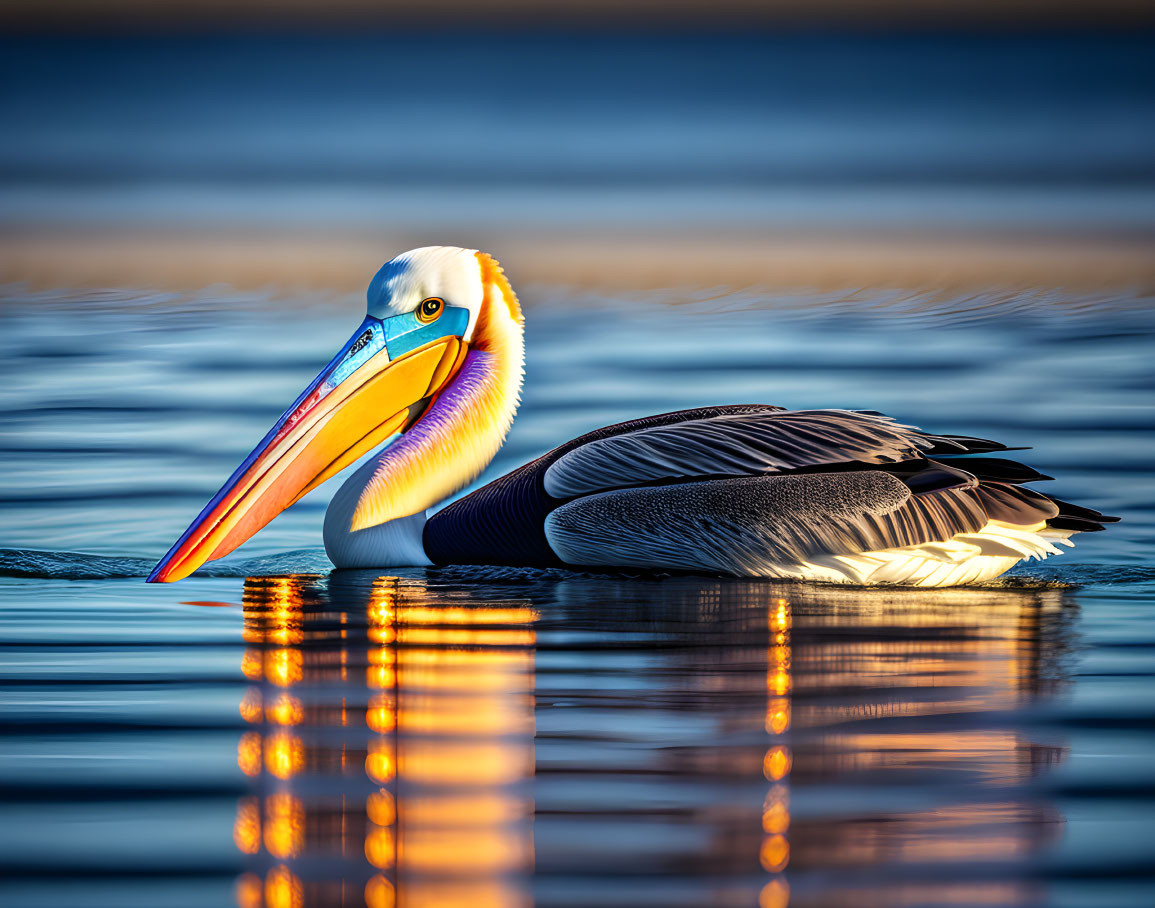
(747, 525)
(737, 445)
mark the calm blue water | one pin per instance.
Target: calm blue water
(493, 737)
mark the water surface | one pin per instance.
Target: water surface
(268, 732)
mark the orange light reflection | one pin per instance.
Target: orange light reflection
(774, 854)
(283, 889)
(284, 825)
(284, 754)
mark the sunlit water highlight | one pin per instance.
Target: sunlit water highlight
(268, 733)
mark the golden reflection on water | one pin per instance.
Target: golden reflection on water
(774, 853)
(391, 749)
(888, 715)
(868, 671)
(391, 746)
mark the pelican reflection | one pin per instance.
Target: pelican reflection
(452, 740)
(391, 745)
(843, 744)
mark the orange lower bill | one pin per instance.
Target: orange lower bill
(315, 442)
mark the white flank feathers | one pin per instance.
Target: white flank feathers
(966, 558)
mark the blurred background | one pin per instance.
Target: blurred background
(833, 143)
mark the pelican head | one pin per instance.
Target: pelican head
(433, 372)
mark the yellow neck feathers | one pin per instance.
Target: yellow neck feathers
(465, 425)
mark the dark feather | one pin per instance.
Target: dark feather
(504, 522)
(1075, 523)
(1015, 505)
(749, 444)
(741, 525)
(750, 483)
(969, 445)
(996, 469)
(923, 476)
(1066, 509)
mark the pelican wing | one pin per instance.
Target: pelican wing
(820, 494)
(504, 522)
(744, 444)
(757, 525)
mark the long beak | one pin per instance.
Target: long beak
(360, 399)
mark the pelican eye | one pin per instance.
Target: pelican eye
(430, 309)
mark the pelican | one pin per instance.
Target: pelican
(433, 378)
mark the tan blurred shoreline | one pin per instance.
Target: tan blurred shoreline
(342, 261)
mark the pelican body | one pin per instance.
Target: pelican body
(432, 379)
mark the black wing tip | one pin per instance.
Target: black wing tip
(1067, 509)
(1078, 518)
(959, 445)
(998, 469)
(968, 445)
(1077, 524)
